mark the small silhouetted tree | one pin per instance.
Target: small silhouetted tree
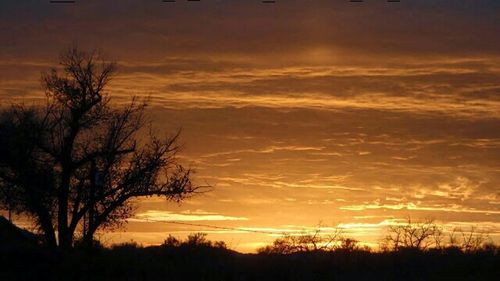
(468, 241)
(350, 244)
(198, 239)
(414, 235)
(75, 164)
(305, 242)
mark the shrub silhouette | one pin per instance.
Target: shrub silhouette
(198, 239)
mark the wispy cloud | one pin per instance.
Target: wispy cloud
(455, 208)
(166, 216)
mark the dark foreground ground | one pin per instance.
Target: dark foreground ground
(218, 264)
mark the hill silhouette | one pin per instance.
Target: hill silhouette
(13, 236)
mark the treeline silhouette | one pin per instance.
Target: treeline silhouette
(417, 235)
(197, 258)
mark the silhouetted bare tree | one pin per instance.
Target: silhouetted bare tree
(198, 239)
(468, 241)
(74, 164)
(417, 235)
(307, 242)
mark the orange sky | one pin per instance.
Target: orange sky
(350, 114)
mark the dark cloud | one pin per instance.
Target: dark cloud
(283, 30)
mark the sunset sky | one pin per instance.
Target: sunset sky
(355, 115)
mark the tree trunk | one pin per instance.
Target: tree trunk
(88, 240)
(64, 236)
(48, 231)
